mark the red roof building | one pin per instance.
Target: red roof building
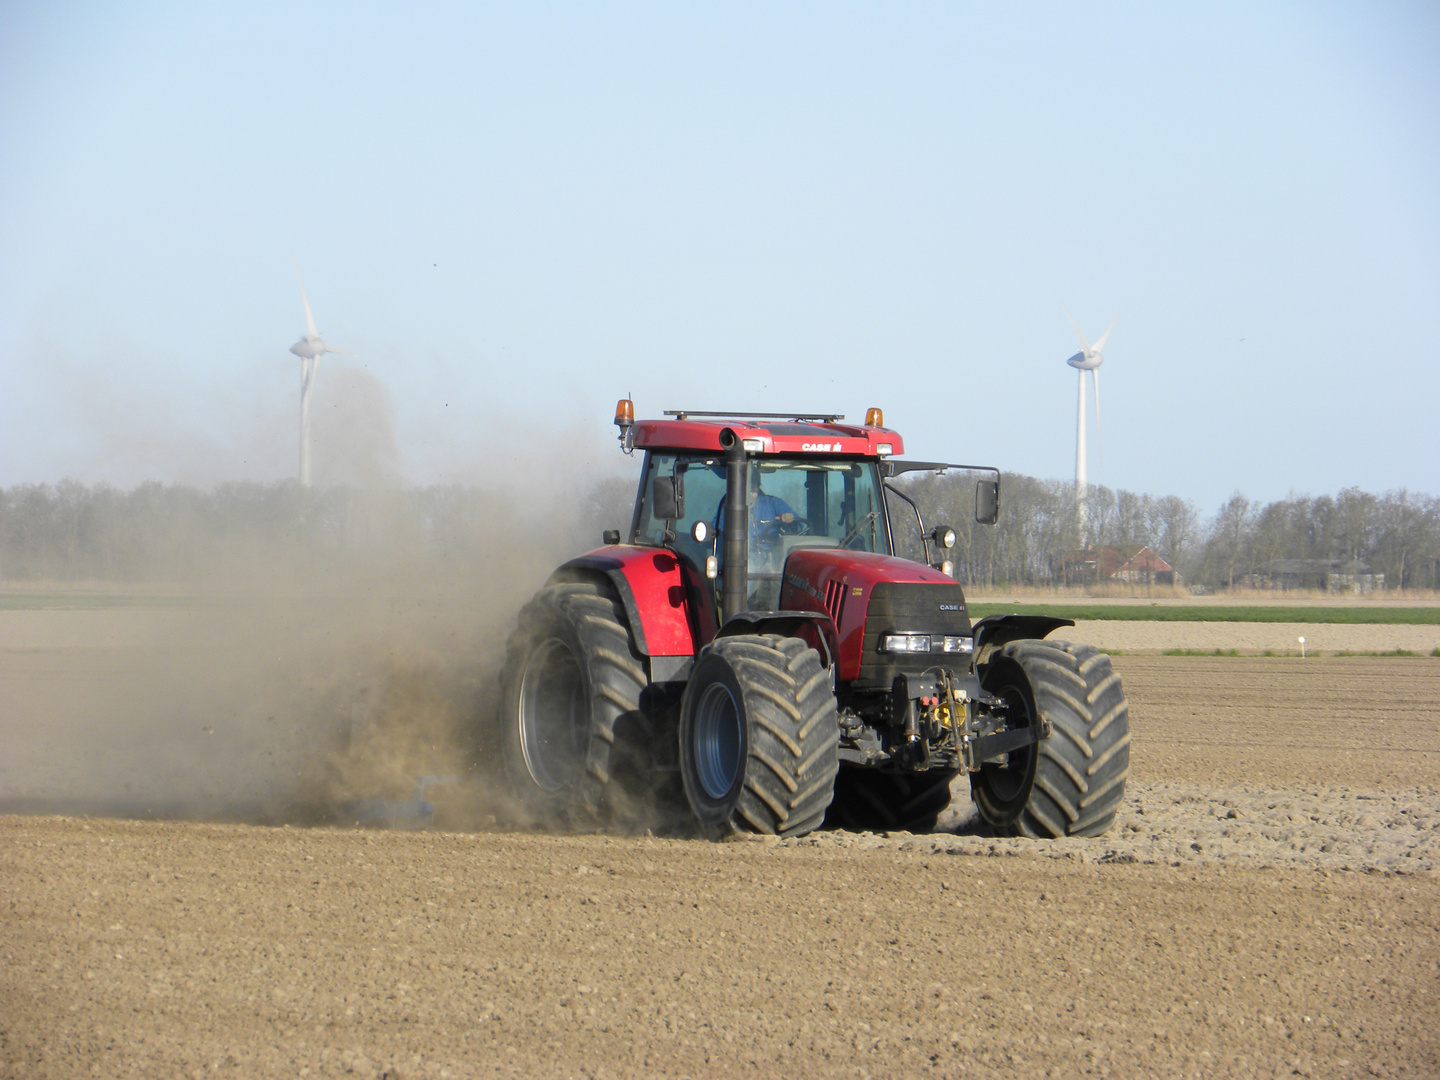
(1133, 565)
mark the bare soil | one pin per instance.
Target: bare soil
(1268, 904)
(1281, 639)
(1130, 595)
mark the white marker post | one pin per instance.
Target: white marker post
(1302, 648)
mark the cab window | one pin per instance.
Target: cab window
(794, 503)
(702, 480)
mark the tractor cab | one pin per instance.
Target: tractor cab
(792, 502)
(802, 482)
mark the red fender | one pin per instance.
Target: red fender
(651, 586)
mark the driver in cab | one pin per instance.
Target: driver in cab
(767, 513)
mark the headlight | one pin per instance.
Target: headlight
(905, 643)
(955, 644)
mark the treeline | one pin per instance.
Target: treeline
(164, 532)
(1041, 538)
(170, 532)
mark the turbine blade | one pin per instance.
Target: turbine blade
(1099, 345)
(332, 348)
(1084, 345)
(1099, 445)
(310, 331)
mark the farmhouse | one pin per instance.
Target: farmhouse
(1131, 565)
(1329, 575)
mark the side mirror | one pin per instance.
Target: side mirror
(987, 502)
(667, 497)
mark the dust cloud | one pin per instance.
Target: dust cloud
(253, 651)
(279, 679)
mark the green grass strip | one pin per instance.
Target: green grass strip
(1316, 655)
(1255, 613)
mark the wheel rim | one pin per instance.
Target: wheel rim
(552, 716)
(717, 740)
(1009, 783)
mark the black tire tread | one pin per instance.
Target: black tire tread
(867, 799)
(1081, 772)
(615, 675)
(793, 750)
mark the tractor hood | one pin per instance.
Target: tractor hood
(868, 595)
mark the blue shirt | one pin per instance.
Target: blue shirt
(764, 518)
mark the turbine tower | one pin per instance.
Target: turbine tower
(1089, 358)
(309, 348)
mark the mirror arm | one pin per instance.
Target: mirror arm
(924, 540)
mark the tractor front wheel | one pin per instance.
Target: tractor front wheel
(1072, 783)
(759, 737)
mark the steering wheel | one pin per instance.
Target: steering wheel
(796, 526)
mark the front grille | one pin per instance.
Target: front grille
(835, 593)
(935, 609)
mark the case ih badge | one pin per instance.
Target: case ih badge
(753, 634)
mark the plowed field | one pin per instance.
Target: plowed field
(1268, 904)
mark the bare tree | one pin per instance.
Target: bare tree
(1173, 524)
(1231, 526)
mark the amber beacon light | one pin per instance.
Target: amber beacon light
(873, 417)
(625, 420)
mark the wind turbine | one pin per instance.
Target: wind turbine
(309, 348)
(1089, 358)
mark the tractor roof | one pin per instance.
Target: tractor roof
(773, 433)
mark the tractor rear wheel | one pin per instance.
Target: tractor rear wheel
(572, 678)
(1072, 783)
(888, 801)
(759, 737)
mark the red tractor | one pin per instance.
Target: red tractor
(754, 634)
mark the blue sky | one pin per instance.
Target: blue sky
(515, 214)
